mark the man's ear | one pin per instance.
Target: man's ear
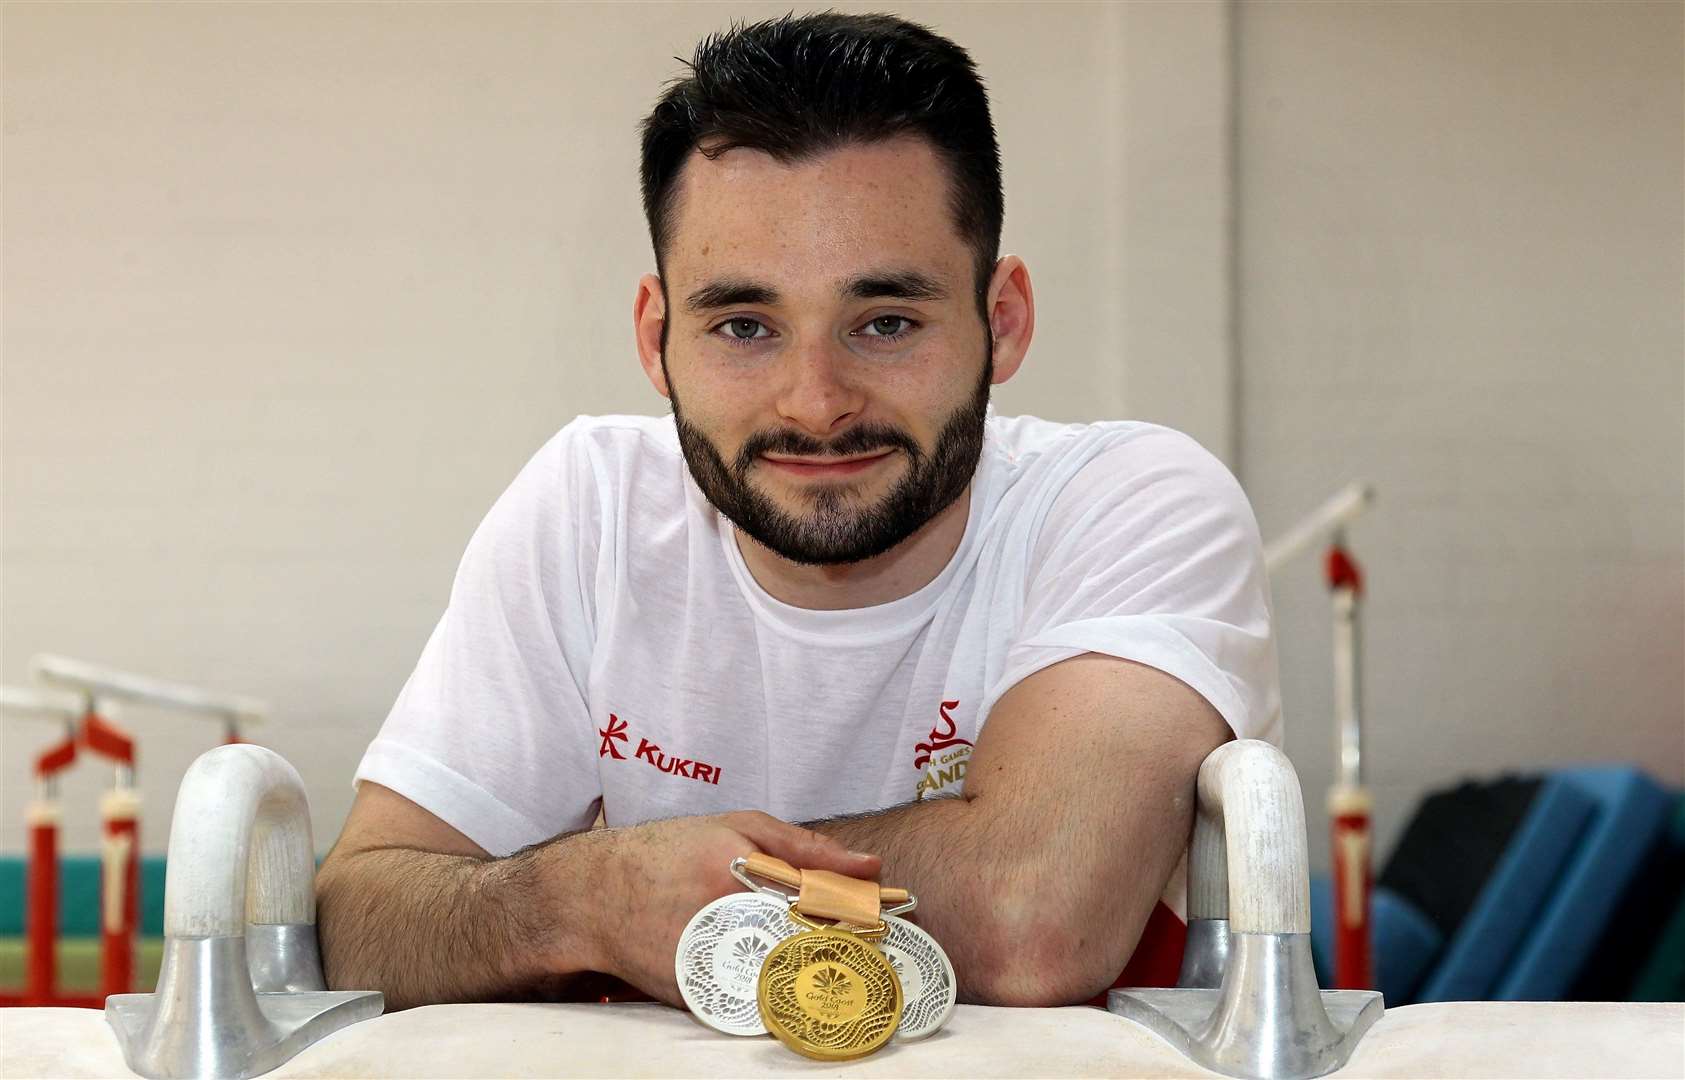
(1012, 315)
(649, 319)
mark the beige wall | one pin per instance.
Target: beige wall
(291, 291)
(1460, 276)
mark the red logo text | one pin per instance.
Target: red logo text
(651, 753)
(941, 736)
(616, 730)
(677, 766)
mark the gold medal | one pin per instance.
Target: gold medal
(828, 993)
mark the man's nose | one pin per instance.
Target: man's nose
(817, 394)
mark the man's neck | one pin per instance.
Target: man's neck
(901, 571)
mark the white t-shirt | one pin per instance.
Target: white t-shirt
(606, 646)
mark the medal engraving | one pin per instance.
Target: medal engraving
(718, 963)
(738, 959)
(830, 992)
(829, 995)
(928, 986)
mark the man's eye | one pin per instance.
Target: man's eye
(888, 327)
(742, 330)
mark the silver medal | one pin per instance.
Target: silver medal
(928, 987)
(718, 962)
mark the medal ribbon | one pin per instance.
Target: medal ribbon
(825, 894)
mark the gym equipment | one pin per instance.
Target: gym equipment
(81, 697)
(42, 818)
(241, 990)
(1480, 859)
(1633, 934)
(1631, 812)
(110, 684)
(1349, 803)
(85, 729)
(1524, 889)
(1485, 1040)
(1662, 978)
(1249, 1005)
(1258, 823)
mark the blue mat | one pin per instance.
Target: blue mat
(1631, 811)
(1483, 945)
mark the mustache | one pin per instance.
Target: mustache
(866, 439)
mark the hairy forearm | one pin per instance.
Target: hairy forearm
(425, 928)
(1029, 913)
(923, 845)
(1039, 879)
(973, 882)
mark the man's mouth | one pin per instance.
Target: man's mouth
(825, 467)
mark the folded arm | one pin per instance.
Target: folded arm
(1078, 804)
(410, 906)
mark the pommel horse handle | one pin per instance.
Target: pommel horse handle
(240, 847)
(241, 988)
(1247, 1002)
(1250, 832)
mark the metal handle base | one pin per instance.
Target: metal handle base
(1267, 1021)
(205, 1020)
(1205, 955)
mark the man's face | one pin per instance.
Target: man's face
(825, 358)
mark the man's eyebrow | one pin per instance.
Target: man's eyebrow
(729, 293)
(883, 284)
(895, 285)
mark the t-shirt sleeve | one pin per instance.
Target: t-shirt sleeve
(492, 733)
(1151, 553)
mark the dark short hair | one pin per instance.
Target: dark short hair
(802, 85)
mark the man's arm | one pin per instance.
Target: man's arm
(409, 906)
(1078, 803)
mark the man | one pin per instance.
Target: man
(982, 657)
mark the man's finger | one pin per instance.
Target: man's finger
(806, 849)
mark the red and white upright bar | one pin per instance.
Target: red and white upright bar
(1349, 805)
(119, 876)
(42, 818)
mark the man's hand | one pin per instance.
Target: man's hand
(657, 876)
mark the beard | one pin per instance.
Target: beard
(836, 528)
